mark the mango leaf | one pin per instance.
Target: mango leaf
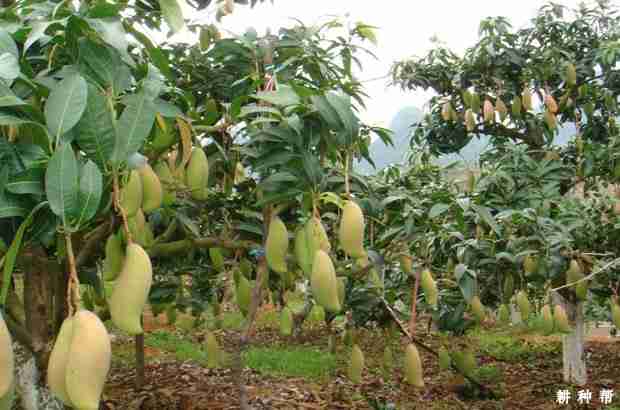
(38, 32)
(8, 98)
(113, 33)
(61, 183)
(134, 126)
(104, 62)
(437, 210)
(284, 95)
(7, 44)
(329, 114)
(486, 216)
(90, 191)
(66, 104)
(167, 109)
(467, 284)
(29, 182)
(95, 131)
(11, 255)
(9, 67)
(172, 14)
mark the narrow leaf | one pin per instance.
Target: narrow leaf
(95, 130)
(133, 127)
(90, 191)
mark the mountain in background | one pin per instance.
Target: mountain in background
(402, 125)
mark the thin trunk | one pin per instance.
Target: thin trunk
(414, 300)
(37, 299)
(139, 344)
(573, 357)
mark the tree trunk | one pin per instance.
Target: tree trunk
(574, 362)
(38, 304)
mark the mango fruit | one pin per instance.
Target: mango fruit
(57, 364)
(351, 230)
(316, 237)
(406, 264)
(550, 120)
(286, 321)
(114, 256)
(560, 319)
(276, 246)
(552, 106)
(167, 182)
(88, 361)
(516, 106)
(356, 364)
(302, 254)
(152, 193)
(413, 366)
(530, 265)
(475, 102)
(547, 320)
(213, 351)
(244, 295)
(197, 174)
(503, 314)
(477, 308)
(526, 99)
(446, 111)
(571, 75)
(489, 111)
(615, 314)
(131, 194)
(444, 358)
(131, 290)
(217, 259)
(7, 359)
(6, 401)
(429, 287)
(324, 283)
(501, 108)
(524, 305)
(509, 286)
(470, 120)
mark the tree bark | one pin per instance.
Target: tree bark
(38, 303)
(573, 358)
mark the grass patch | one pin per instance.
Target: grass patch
(296, 362)
(182, 349)
(512, 348)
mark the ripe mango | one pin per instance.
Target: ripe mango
(406, 264)
(615, 314)
(7, 359)
(316, 237)
(276, 246)
(351, 231)
(560, 319)
(6, 401)
(524, 305)
(197, 174)
(547, 320)
(88, 363)
(413, 366)
(131, 194)
(324, 283)
(477, 308)
(489, 111)
(286, 321)
(429, 287)
(356, 365)
(131, 290)
(152, 193)
(57, 365)
(114, 256)
(530, 265)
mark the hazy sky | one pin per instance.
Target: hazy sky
(405, 29)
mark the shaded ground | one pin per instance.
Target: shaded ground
(286, 373)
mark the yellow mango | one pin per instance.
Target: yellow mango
(560, 319)
(477, 309)
(547, 320)
(167, 183)
(131, 290)
(90, 355)
(152, 193)
(114, 256)
(356, 364)
(524, 305)
(351, 231)
(429, 287)
(244, 295)
(131, 194)
(316, 237)
(324, 283)
(197, 174)
(413, 366)
(59, 358)
(302, 255)
(7, 359)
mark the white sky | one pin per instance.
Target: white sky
(405, 29)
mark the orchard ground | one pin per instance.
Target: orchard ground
(282, 372)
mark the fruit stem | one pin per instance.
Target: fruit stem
(73, 293)
(119, 208)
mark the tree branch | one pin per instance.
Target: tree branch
(184, 245)
(20, 333)
(94, 241)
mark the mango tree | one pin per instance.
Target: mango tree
(521, 87)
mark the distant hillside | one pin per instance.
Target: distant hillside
(402, 124)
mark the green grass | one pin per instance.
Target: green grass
(296, 362)
(509, 347)
(181, 349)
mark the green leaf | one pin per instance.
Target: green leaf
(486, 216)
(437, 210)
(167, 109)
(172, 14)
(9, 67)
(134, 126)
(11, 256)
(104, 62)
(7, 44)
(284, 95)
(37, 32)
(95, 131)
(90, 191)
(29, 182)
(8, 98)
(112, 32)
(329, 114)
(467, 284)
(61, 183)
(66, 104)
(342, 105)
